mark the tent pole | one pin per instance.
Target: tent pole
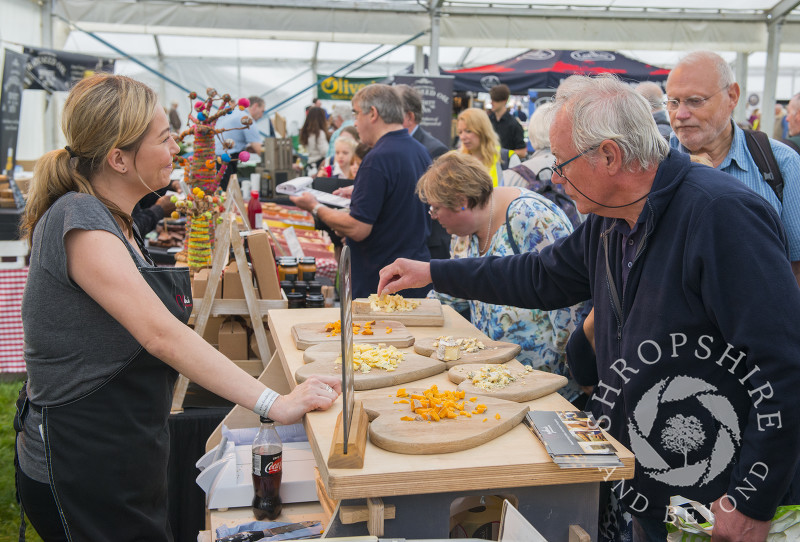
(50, 112)
(433, 59)
(419, 60)
(771, 76)
(740, 72)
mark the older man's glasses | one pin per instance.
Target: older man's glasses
(559, 168)
(692, 102)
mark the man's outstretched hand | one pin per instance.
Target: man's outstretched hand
(403, 274)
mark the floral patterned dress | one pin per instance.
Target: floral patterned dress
(535, 222)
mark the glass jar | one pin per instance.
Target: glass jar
(287, 286)
(301, 287)
(314, 287)
(315, 301)
(296, 301)
(308, 268)
(287, 268)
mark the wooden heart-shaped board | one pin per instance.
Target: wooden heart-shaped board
(428, 313)
(389, 432)
(306, 335)
(495, 351)
(527, 386)
(321, 359)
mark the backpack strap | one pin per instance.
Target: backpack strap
(761, 151)
(791, 144)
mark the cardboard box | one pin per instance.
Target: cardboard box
(232, 282)
(200, 283)
(233, 339)
(264, 265)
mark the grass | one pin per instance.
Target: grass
(9, 511)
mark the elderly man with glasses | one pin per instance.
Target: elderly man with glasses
(701, 96)
(696, 312)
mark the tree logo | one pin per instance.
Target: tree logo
(683, 434)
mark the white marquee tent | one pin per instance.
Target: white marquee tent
(275, 48)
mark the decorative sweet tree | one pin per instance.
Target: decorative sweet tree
(204, 201)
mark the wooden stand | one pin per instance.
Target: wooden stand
(356, 443)
(227, 236)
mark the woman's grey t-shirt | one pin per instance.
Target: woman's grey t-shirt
(72, 345)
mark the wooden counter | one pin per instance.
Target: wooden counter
(515, 459)
(422, 487)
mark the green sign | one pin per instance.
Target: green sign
(342, 88)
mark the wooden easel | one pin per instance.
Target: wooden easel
(209, 306)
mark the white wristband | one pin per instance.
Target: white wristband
(265, 402)
(315, 210)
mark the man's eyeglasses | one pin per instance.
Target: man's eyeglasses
(559, 168)
(691, 103)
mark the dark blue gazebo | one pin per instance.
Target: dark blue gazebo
(543, 69)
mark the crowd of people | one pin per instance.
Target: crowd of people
(639, 247)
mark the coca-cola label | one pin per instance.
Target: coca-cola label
(267, 464)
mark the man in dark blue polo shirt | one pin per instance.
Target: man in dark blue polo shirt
(386, 219)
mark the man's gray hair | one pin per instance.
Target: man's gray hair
(539, 126)
(412, 101)
(652, 93)
(341, 110)
(606, 108)
(723, 69)
(385, 99)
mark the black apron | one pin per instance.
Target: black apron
(107, 451)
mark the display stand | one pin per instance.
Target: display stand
(227, 237)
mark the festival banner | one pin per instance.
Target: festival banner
(437, 103)
(342, 88)
(58, 70)
(10, 103)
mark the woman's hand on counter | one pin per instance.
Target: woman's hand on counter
(317, 393)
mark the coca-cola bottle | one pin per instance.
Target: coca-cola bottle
(267, 471)
(254, 211)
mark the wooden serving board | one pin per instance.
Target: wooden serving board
(527, 387)
(306, 335)
(495, 352)
(321, 359)
(429, 313)
(391, 433)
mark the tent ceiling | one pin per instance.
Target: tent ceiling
(592, 24)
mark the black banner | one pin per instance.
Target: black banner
(437, 103)
(10, 103)
(58, 70)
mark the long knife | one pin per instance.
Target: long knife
(346, 319)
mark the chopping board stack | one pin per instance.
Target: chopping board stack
(394, 426)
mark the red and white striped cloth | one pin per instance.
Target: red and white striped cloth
(12, 284)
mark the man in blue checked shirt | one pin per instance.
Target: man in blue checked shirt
(701, 96)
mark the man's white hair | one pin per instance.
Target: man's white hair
(606, 108)
(723, 69)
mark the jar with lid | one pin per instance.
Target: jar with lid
(301, 287)
(314, 287)
(315, 301)
(287, 286)
(296, 301)
(308, 268)
(287, 268)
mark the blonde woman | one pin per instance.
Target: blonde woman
(479, 139)
(105, 333)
